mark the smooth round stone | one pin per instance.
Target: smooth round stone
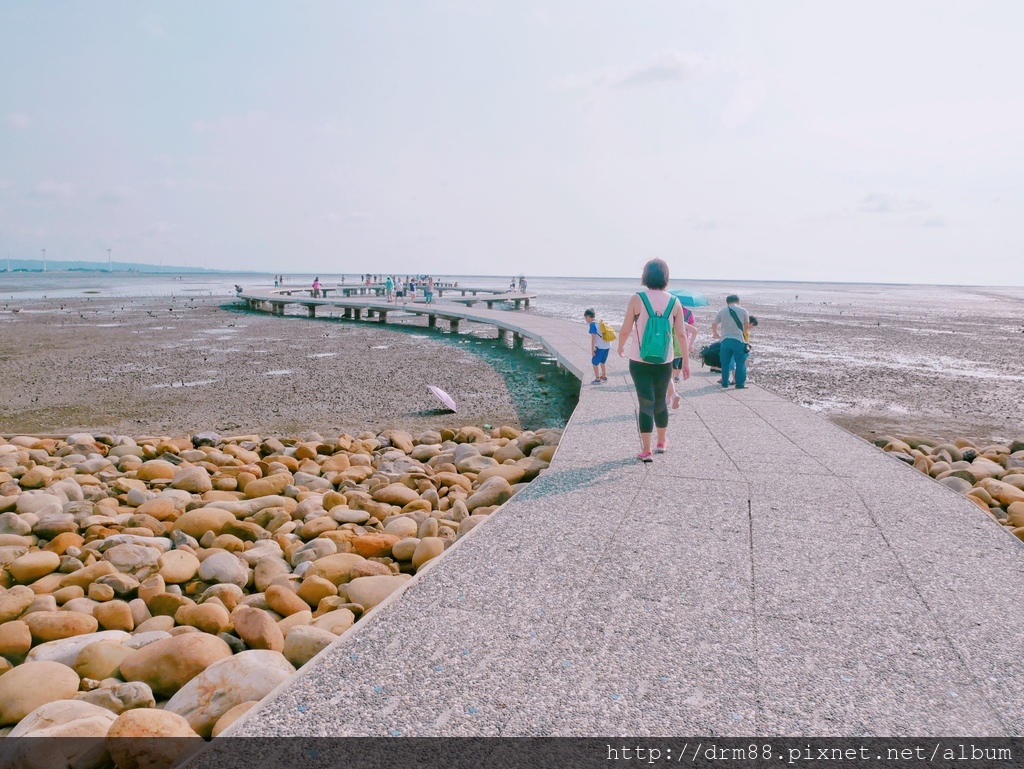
(268, 569)
(284, 600)
(169, 664)
(231, 716)
(100, 659)
(15, 639)
(209, 617)
(370, 591)
(28, 686)
(344, 515)
(257, 628)
(177, 566)
(306, 641)
(66, 650)
(197, 523)
(428, 549)
(314, 588)
(100, 592)
(115, 615)
(120, 697)
(401, 528)
(335, 622)
(59, 719)
(55, 625)
(246, 677)
(403, 550)
(192, 479)
(14, 602)
(32, 566)
(224, 568)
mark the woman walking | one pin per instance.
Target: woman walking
(653, 318)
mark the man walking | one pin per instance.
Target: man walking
(731, 325)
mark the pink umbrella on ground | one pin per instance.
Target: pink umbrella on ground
(444, 397)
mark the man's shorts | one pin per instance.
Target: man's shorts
(600, 356)
(677, 364)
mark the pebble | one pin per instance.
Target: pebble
(185, 567)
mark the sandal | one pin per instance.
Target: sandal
(596, 381)
(645, 457)
(661, 448)
(604, 379)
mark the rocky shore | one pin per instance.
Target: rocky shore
(163, 585)
(990, 475)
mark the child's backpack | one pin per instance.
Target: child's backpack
(656, 345)
(606, 331)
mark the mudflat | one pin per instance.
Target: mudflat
(177, 365)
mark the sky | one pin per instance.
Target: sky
(821, 141)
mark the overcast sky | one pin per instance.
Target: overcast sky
(820, 140)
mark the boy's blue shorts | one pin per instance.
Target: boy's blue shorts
(600, 356)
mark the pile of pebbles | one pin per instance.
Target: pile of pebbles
(161, 586)
(990, 475)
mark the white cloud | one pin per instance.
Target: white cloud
(667, 67)
(744, 102)
(48, 189)
(879, 203)
(17, 120)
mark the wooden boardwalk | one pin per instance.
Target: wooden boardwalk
(509, 325)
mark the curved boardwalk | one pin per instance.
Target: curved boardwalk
(773, 574)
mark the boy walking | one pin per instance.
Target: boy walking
(599, 347)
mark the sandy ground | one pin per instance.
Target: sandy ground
(172, 365)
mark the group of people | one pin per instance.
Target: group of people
(520, 282)
(396, 290)
(661, 333)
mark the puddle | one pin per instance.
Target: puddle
(379, 347)
(282, 372)
(322, 355)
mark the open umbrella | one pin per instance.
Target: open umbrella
(690, 298)
(444, 397)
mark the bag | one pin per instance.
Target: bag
(735, 317)
(606, 331)
(656, 345)
(711, 356)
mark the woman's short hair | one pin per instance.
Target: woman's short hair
(655, 274)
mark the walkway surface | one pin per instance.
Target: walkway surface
(771, 575)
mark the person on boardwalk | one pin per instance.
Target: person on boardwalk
(746, 338)
(732, 326)
(389, 288)
(677, 361)
(316, 287)
(399, 290)
(428, 293)
(599, 347)
(653, 318)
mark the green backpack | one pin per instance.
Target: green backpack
(656, 346)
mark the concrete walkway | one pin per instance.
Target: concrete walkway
(771, 575)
